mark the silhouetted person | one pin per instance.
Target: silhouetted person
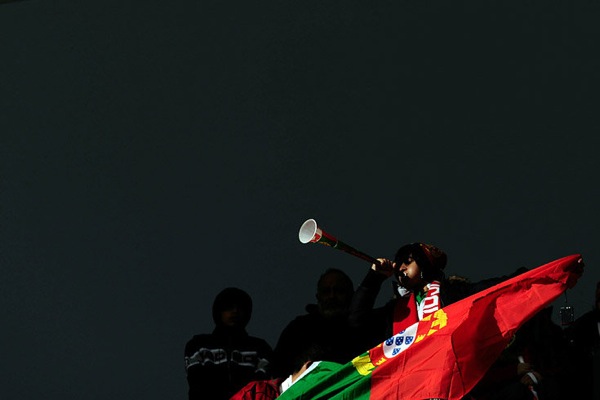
(325, 324)
(533, 365)
(220, 363)
(420, 289)
(584, 337)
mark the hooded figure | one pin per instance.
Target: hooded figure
(220, 363)
(232, 309)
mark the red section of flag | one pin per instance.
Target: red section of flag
(454, 347)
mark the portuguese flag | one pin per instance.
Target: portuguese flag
(446, 353)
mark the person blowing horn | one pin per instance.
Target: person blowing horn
(420, 288)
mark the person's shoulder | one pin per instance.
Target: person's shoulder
(311, 310)
(259, 342)
(200, 338)
(197, 342)
(588, 317)
(302, 320)
(325, 367)
(331, 365)
(256, 339)
(312, 314)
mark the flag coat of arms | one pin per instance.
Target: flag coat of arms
(445, 354)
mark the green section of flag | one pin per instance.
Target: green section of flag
(333, 381)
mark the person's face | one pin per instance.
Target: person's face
(333, 294)
(408, 273)
(233, 316)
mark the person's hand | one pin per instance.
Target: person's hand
(531, 378)
(385, 267)
(523, 368)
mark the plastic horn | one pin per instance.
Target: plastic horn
(311, 233)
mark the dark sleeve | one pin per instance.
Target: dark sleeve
(205, 378)
(190, 355)
(265, 362)
(371, 325)
(286, 348)
(363, 301)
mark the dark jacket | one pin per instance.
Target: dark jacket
(219, 364)
(584, 356)
(329, 338)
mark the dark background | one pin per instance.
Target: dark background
(153, 153)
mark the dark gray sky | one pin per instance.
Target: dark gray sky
(153, 153)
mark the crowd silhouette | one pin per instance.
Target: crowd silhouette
(542, 361)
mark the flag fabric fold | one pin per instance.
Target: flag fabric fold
(446, 353)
